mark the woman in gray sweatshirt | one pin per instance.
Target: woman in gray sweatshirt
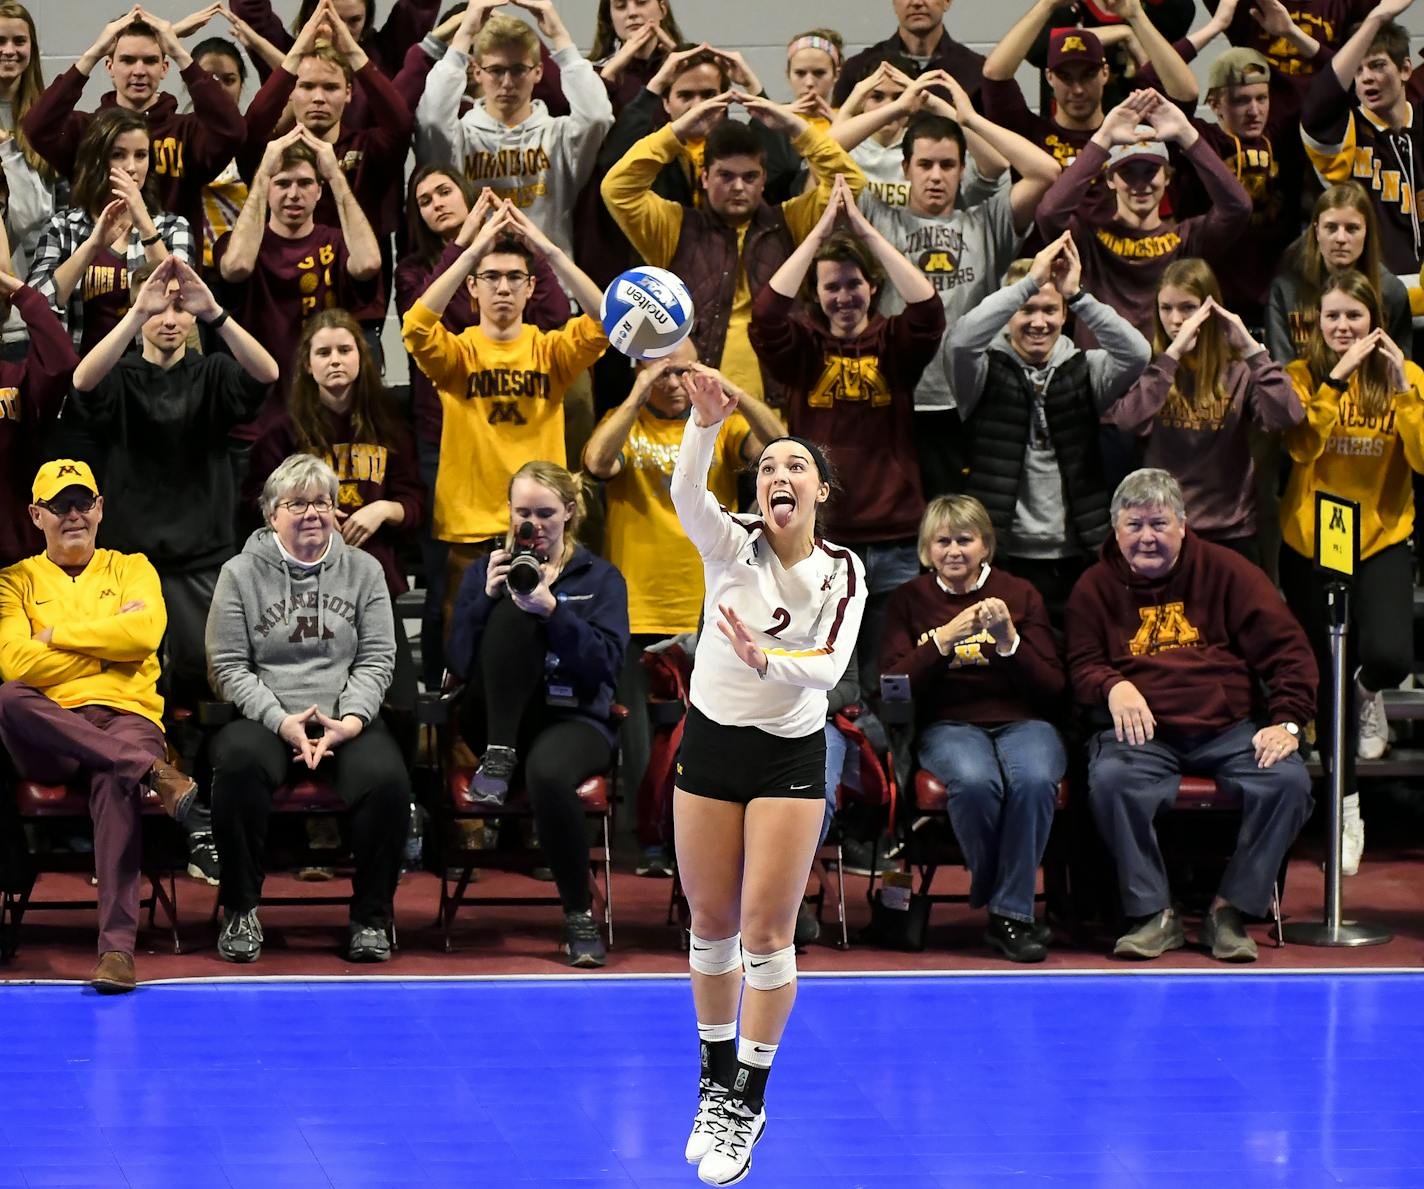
(301, 640)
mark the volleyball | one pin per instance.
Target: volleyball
(646, 312)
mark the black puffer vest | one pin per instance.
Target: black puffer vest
(999, 431)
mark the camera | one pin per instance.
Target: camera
(526, 569)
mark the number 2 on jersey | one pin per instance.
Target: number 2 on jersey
(782, 618)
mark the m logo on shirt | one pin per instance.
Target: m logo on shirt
(108, 594)
(306, 629)
(506, 412)
(1163, 628)
(851, 379)
(9, 404)
(970, 651)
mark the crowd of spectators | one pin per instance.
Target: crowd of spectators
(1081, 367)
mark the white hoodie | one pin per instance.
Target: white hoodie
(541, 163)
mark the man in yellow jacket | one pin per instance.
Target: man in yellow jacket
(79, 634)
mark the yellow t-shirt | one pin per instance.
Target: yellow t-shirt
(1338, 449)
(645, 540)
(97, 656)
(503, 406)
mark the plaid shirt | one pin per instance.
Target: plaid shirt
(67, 230)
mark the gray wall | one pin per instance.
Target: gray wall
(759, 28)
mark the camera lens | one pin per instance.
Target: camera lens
(524, 574)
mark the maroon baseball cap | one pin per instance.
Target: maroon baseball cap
(1074, 45)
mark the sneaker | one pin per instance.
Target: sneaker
(1151, 937)
(709, 1099)
(736, 1133)
(1016, 940)
(1224, 934)
(1374, 726)
(582, 941)
(368, 943)
(203, 858)
(490, 783)
(241, 937)
(1352, 836)
(808, 928)
(655, 862)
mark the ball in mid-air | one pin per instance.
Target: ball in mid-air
(646, 312)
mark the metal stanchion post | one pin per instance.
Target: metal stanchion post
(1332, 931)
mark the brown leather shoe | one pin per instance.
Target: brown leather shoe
(174, 788)
(115, 973)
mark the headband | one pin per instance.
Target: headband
(812, 42)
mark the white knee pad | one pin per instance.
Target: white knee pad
(766, 972)
(715, 957)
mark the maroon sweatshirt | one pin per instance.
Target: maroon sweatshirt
(408, 22)
(372, 155)
(188, 150)
(1208, 450)
(974, 683)
(293, 279)
(1193, 643)
(31, 391)
(1328, 21)
(856, 397)
(1122, 266)
(368, 471)
(548, 309)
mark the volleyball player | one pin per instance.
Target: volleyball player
(749, 797)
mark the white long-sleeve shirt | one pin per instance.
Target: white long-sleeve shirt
(806, 618)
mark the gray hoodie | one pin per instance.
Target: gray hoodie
(1040, 528)
(282, 636)
(542, 163)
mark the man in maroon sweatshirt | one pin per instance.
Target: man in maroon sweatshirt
(1170, 637)
(188, 150)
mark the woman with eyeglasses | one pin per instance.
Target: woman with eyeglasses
(301, 640)
(338, 410)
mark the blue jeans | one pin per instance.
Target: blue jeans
(1129, 785)
(1002, 784)
(835, 760)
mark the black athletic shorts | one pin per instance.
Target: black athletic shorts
(742, 763)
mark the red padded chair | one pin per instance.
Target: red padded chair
(1200, 794)
(36, 802)
(307, 796)
(597, 793)
(931, 844)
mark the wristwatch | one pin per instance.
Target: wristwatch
(1291, 728)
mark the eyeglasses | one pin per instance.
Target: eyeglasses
(75, 503)
(498, 73)
(321, 505)
(492, 279)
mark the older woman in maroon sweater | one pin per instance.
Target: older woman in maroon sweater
(984, 667)
(851, 377)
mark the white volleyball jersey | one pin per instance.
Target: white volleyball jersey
(806, 618)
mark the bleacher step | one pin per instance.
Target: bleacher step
(1401, 704)
(1398, 762)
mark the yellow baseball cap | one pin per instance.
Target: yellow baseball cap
(55, 476)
